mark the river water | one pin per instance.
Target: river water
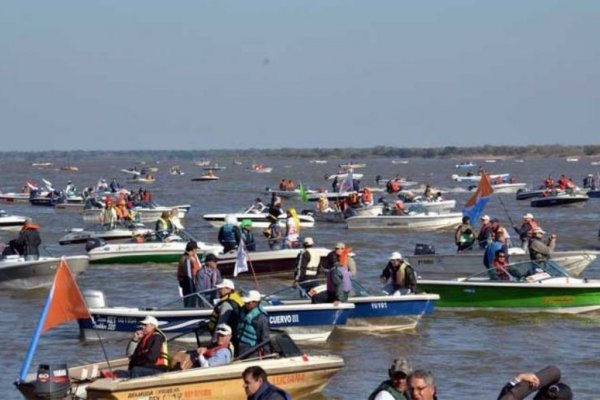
(471, 354)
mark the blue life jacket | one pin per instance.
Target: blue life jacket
(246, 333)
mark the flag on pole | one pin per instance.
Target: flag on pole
(241, 261)
(303, 193)
(64, 303)
(477, 202)
(347, 184)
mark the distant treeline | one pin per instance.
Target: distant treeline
(314, 153)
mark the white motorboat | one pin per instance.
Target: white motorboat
(465, 164)
(453, 265)
(343, 175)
(339, 216)
(206, 177)
(418, 204)
(144, 211)
(11, 222)
(419, 222)
(477, 178)
(257, 216)
(81, 235)
(504, 187)
(12, 197)
(18, 273)
(260, 169)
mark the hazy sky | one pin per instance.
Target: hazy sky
(224, 74)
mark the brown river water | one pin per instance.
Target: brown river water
(471, 354)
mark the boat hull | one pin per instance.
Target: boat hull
(82, 236)
(18, 273)
(550, 201)
(422, 223)
(259, 220)
(93, 216)
(137, 253)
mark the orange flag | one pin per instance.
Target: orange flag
(66, 301)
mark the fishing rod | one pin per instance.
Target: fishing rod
(506, 211)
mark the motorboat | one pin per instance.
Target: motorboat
(477, 177)
(120, 232)
(69, 168)
(428, 263)
(16, 272)
(214, 167)
(12, 198)
(525, 193)
(297, 372)
(303, 322)
(418, 222)
(11, 222)
(342, 175)
(266, 262)
(335, 216)
(260, 169)
(349, 166)
(559, 199)
(331, 196)
(41, 164)
(144, 211)
(206, 177)
(318, 161)
(288, 194)
(144, 249)
(593, 193)
(421, 204)
(465, 165)
(258, 216)
(571, 159)
(70, 203)
(372, 312)
(530, 287)
(504, 187)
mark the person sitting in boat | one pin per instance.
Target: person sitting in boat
(257, 387)
(257, 207)
(109, 215)
(464, 235)
(500, 264)
(525, 231)
(102, 186)
(209, 276)
(323, 203)
(175, 221)
(398, 275)
(220, 353)
(428, 193)
(123, 213)
(27, 243)
(146, 196)
(498, 244)
(253, 327)
(70, 189)
(307, 262)
(538, 250)
(147, 350)
(399, 208)
(164, 226)
(292, 229)
(248, 235)
(273, 233)
(229, 234)
(187, 274)
(115, 186)
(485, 232)
(227, 310)
(366, 198)
(282, 184)
(549, 182)
(396, 387)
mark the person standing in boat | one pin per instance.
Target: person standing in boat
(164, 227)
(187, 274)
(525, 231)
(339, 277)
(209, 276)
(253, 327)
(395, 388)
(123, 213)
(227, 310)
(464, 235)
(307, 262)
(496, 228)
(538, 250)
(485, 232)
(109, 215)
(229, 234)
(400, 275)
(257, 387)
(248, 235)
(147, 350)
(28, 242)
(292, 229)
(273, 233)
(498, 245)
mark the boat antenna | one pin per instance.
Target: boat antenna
(106, 358)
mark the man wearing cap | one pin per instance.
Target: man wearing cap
(28, 242)
(538, 250)
(526, 230)
(208, 276)
(220, 353)
(187, 274)
(147, 350)
(396, 387)
(253, 327)
(485, 232)
(307, 262)
(227, 310)
(464, 235)
(248, 235)
(400, 274)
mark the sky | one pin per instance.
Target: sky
(220, 74)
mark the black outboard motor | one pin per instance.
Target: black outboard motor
(92, 243)
(423, 248)
(52, 381)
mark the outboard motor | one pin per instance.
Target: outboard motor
(92, 243)
(423, 248)
(94, 298)
(52, 381)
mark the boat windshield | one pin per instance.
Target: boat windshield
(525, 271)
(301, 289)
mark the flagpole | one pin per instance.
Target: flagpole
(36, 335)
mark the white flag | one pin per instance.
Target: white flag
(347, 184)
(241, 261)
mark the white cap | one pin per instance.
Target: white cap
(396, 256)
(224, 328)
(227, 283)
(308, 241)
(149, 320)
(253, 295)
(528, 216)
(485, 217)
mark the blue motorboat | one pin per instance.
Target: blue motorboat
(375, 312)
(303, 322)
